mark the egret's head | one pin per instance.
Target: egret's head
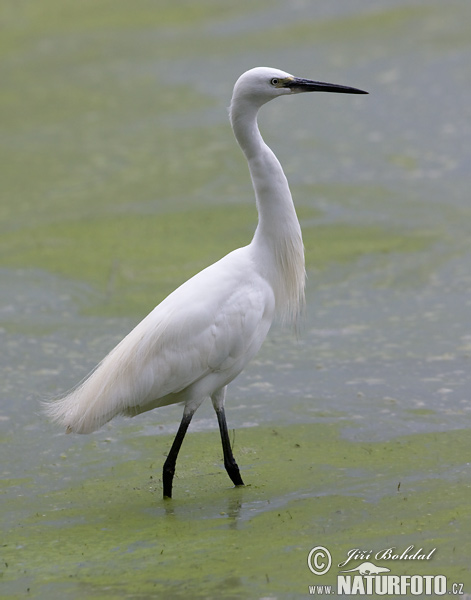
(262, 84)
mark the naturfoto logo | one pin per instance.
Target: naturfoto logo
(368, 568)
(372, 579)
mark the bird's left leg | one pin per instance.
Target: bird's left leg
(229, 460)
(169, 465)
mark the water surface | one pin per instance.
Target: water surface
(121, 178)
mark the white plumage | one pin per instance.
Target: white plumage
(193, 343)
(201, 336)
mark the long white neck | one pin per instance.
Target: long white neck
(277, 243)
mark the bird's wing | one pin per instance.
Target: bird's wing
(202, 333)
(218, 330)
(239, 326)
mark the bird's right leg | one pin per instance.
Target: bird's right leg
(169, 465)
(229, 460)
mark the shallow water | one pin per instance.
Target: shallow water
(121, 178)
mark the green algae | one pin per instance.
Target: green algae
(383, 23)
(433, 25)
(408, 163)
(90, 120)
(109, 534)
(92, 190)
(91, 154)
(380, 27)
(26, 20)
(135, 260)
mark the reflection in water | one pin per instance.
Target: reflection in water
(228, 514)
(233, 510)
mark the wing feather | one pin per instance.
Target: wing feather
(211, 325)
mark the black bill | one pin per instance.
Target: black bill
(306, 85)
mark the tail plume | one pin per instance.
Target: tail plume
(120, 384)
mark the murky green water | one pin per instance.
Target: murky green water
(121, 178)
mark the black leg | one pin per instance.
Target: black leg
(229, 460)
(169, 465)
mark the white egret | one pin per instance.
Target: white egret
(197, 340)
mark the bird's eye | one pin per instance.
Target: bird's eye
(275, 81)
